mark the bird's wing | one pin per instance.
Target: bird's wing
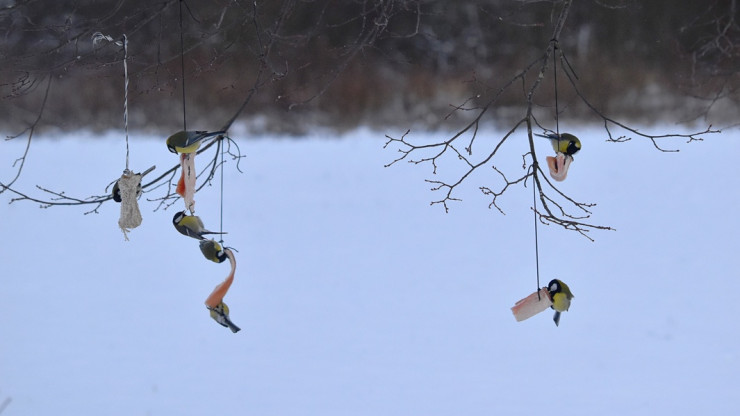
(191, 233)
(200, 135)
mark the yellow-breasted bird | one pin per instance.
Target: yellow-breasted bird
(191, 225)
(116, 191)
(220, 314)
(189, 141)
(560, 296)
(565, 143)
(213, 251)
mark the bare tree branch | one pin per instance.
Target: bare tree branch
(21, 161)
(556, 207)
(269, 67)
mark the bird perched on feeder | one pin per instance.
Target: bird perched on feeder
(220, 314)
(116, 191)
(564, 143)
(189, 141)
(191, 225)
(213, 251)
(560, 295)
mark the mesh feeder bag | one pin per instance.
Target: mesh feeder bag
(130, 215)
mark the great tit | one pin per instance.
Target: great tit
(560, 296)
(220, 314)
(189, 141)
(565, 143)
(116, 192)
(191, 225)
(213, 251)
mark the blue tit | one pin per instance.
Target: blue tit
(560, 295)
(565, 143)
(189, 141)
(220, 314)
(213, 251)
(190, 225)
(116, 192)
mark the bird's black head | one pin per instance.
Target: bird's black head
(554, 287)
(221, 256)
(178, 217)
(573, 147)
(116, 192)
(171, 148)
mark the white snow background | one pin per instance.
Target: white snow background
(356, 297)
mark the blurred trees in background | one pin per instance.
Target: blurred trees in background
(344, 63)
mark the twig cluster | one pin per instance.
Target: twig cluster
(713, 46)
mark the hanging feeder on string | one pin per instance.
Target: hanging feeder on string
(565, 145)
(556, 296)
(531, 305)
(186, 143)
(213, 251)
(127, 188)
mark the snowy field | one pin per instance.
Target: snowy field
(356, 297)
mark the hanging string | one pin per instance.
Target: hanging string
(125, 93)
(221, 148)
(536, 237)
(555, 79)
(182, 71)
(534, 167)
(98, 37)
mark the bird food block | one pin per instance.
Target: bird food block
(532, 305)
(220, 291)
(559, 166)
(215, 299)
(186, 184)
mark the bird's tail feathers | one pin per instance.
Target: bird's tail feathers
(231, 326)
(213, 232)
(548, 135)
(213, 133)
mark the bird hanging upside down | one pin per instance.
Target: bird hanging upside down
(215, 301)
(565, 146)
(191, 225)
(564, 143)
